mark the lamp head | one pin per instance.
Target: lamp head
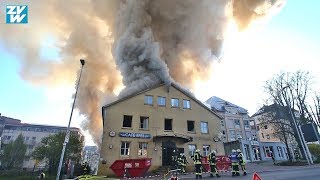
(82, 61)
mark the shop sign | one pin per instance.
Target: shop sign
(255, 143)
(135, 135)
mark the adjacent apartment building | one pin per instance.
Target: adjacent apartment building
(32, 133)
(238, 130)
(269, 141)
(154, 122)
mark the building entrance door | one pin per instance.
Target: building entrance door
(167, 152)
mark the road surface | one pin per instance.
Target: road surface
(310, 173)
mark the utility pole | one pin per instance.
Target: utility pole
(66, 139)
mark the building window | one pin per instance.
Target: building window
(222, 124)
(204, 127)
(190, 126)
(186, 104)
(27, 138)
(268, 136)
(148, 100)
(265, 126)
(232, 135)
(206, 150)
(33, 138)
(144, 122)
(127, 121)
(237, 123)
(168, 124)
(246, 124)
(174, 102)
(8, 137)
(142, 149)
(280, 151)
(239, 135)
(192, 148)
(248, 135)
(125, 149)
(254, 137)
(161, 101)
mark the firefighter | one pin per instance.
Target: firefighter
(242, 162)
(234, 163)
(85, 168)
(174, 159)
(212, 160)
(197, 163)
(182, 162)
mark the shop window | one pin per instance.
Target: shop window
(127, 121)
(206, 150)
(125, 149)
(190, 125)
(148, 100)
(192, 148)
(161, 101)
(204, 127)
(280, 151)
(143, 147)
(144, 123)
(186, 104)
(168, 124)
(174, 102)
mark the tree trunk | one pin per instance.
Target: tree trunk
(287, 147)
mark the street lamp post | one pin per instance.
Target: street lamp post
(303, 143)
(66, 139)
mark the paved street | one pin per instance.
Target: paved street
(310, 173)
(267, 171)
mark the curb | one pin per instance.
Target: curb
(295, 167)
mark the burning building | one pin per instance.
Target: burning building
(154, 122)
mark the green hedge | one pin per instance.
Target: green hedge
(315, 151)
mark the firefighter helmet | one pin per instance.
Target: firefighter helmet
(197, 150)
(233, 151)
(213, 152)
(238, 150)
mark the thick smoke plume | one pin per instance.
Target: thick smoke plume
(130, 43)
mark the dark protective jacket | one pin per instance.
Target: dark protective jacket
(212, 159)
(197, 158)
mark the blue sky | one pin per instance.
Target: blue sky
(288, 42)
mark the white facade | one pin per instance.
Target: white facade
(236, 123)
(33, 135)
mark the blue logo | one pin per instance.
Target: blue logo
(16, 14)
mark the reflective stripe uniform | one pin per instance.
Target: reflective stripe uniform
(213, 168)
(182, 162)
(235, 164)
(197, 162)
(242, 163)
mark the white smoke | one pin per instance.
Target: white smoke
(130, 43)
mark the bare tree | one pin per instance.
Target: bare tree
(314, 110)
(291, 90)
